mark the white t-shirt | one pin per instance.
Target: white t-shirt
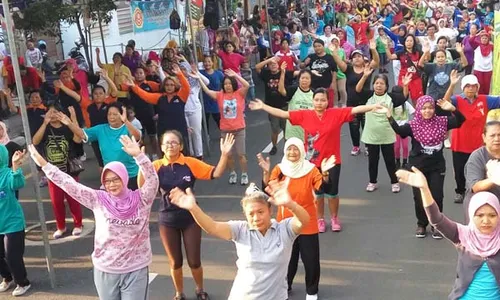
(295, 39)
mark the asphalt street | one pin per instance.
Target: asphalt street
(375, 257)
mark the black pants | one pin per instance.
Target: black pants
(435, 179)
(307, 245)
(215, 116)
(459, 161)
(355, 128)
(373, 158)
(11, 258)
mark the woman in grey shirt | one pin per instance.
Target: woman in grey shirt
(263, 245)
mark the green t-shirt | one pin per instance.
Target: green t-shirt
(378, 130)
(380, 46)
(300, 100)
(341, 54)
(11, 212)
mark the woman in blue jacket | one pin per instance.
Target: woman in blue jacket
(12, 268)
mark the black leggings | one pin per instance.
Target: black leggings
(355, 128)
(373, 158)
(172, 242)
(436, 183)
(308, 248)
(11, 258)
(459, 161)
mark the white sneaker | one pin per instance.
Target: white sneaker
(20, 290)
(4, 286)
(447, 143)
(312, 297)
(59, 233)
(233, 177)
(244, 179)
(77, 231)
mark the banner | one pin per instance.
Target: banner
(495, 83)
(151, 15)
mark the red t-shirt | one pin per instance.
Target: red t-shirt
(322, 136)
(232, 111)
(231, 61)
(468, 137)
(360, 31)
(288, 57)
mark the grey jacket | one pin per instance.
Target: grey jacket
(468, 263)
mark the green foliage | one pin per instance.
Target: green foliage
(44, 16)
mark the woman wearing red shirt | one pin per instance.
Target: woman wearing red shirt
(322, 127)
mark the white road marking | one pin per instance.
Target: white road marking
(270, 146)
(152, 277)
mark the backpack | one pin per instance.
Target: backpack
(175, 20)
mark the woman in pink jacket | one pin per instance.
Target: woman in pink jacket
(122, 248)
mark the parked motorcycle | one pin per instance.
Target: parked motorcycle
(77, 55)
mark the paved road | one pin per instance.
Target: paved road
(375, 257)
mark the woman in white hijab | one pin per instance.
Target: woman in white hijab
(304, 178)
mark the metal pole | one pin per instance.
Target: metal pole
(102, 38)
(269, 28)
(193, 40)
(24, 115)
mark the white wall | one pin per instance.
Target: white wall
(150, 39)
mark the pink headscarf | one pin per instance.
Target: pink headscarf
(475, 242)
(4, 139)
(125, 205)
(429, 132)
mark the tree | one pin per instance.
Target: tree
(44, 17)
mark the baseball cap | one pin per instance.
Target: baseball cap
(469, 80)
(357, 51)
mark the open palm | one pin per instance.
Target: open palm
(445, 105)
(414, 178)
(185, 200)
(256, 104)
(130, 146)
(328, 163)
(226, 144)
(264, 163)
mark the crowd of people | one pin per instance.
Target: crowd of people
(319, 71)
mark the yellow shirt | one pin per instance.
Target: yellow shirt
(119, 77)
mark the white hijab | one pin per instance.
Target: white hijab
(299, 168)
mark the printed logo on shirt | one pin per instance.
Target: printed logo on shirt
(229, 109)
(187, 178)
(312, 153)
(441, 78)
(480, 107)
(320, 65)
(176, 101)
(124, 223)
(273, 83)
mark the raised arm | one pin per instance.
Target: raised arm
(454, 79)
(281, 83)
(204, 87)
(402, 130)
(262, 64)
(186, 200)
(59, 85)
(416, 179)
(98, 56)
(244, 84)
(84, 195)
(342, 65)
(148, 97)
(131, 128)
(40, 133)
(226, 145)
(375, 57)
(257, 104)
(8, 95)
(113, 90)
(361, 83)
(463, 60)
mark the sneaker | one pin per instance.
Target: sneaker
(43, 182)
(355, 151)
(436, 234)
(77, 231)
(336, 226)
(395, 188)
(447, 143)
(244, 179)
(312, 297)
(59, 233)
(83, 157)
(459, 198)
(371, 187)
(233, 177)
(273, 151)
(321, 225)
(20, 290)
(420, 232)
(6, 285)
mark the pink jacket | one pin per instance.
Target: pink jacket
(120, 246)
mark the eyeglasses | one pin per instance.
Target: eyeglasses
(171, 143)
(115, 180)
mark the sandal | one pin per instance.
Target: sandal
(202, 296)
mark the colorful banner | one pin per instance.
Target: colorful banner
(495, 83)
(151, 15)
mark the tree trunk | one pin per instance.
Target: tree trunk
(85, 45)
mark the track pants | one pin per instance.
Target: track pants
(459, 161)
(57, 196)
(194, 120)
(307, 245)
(373, 158)
(435, 180)
(128, 286)
(11, 258)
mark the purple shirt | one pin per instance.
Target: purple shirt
(132, 62)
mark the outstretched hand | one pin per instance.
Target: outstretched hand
(256, 104)
(414, 178)
(264, 163)
(328, 163)
(18, 158)
(226, 144)
(279, 192)
(445, 105)
(130, 145)
(185, 200)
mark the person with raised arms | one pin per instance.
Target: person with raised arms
(263, 245)
(322, 127)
